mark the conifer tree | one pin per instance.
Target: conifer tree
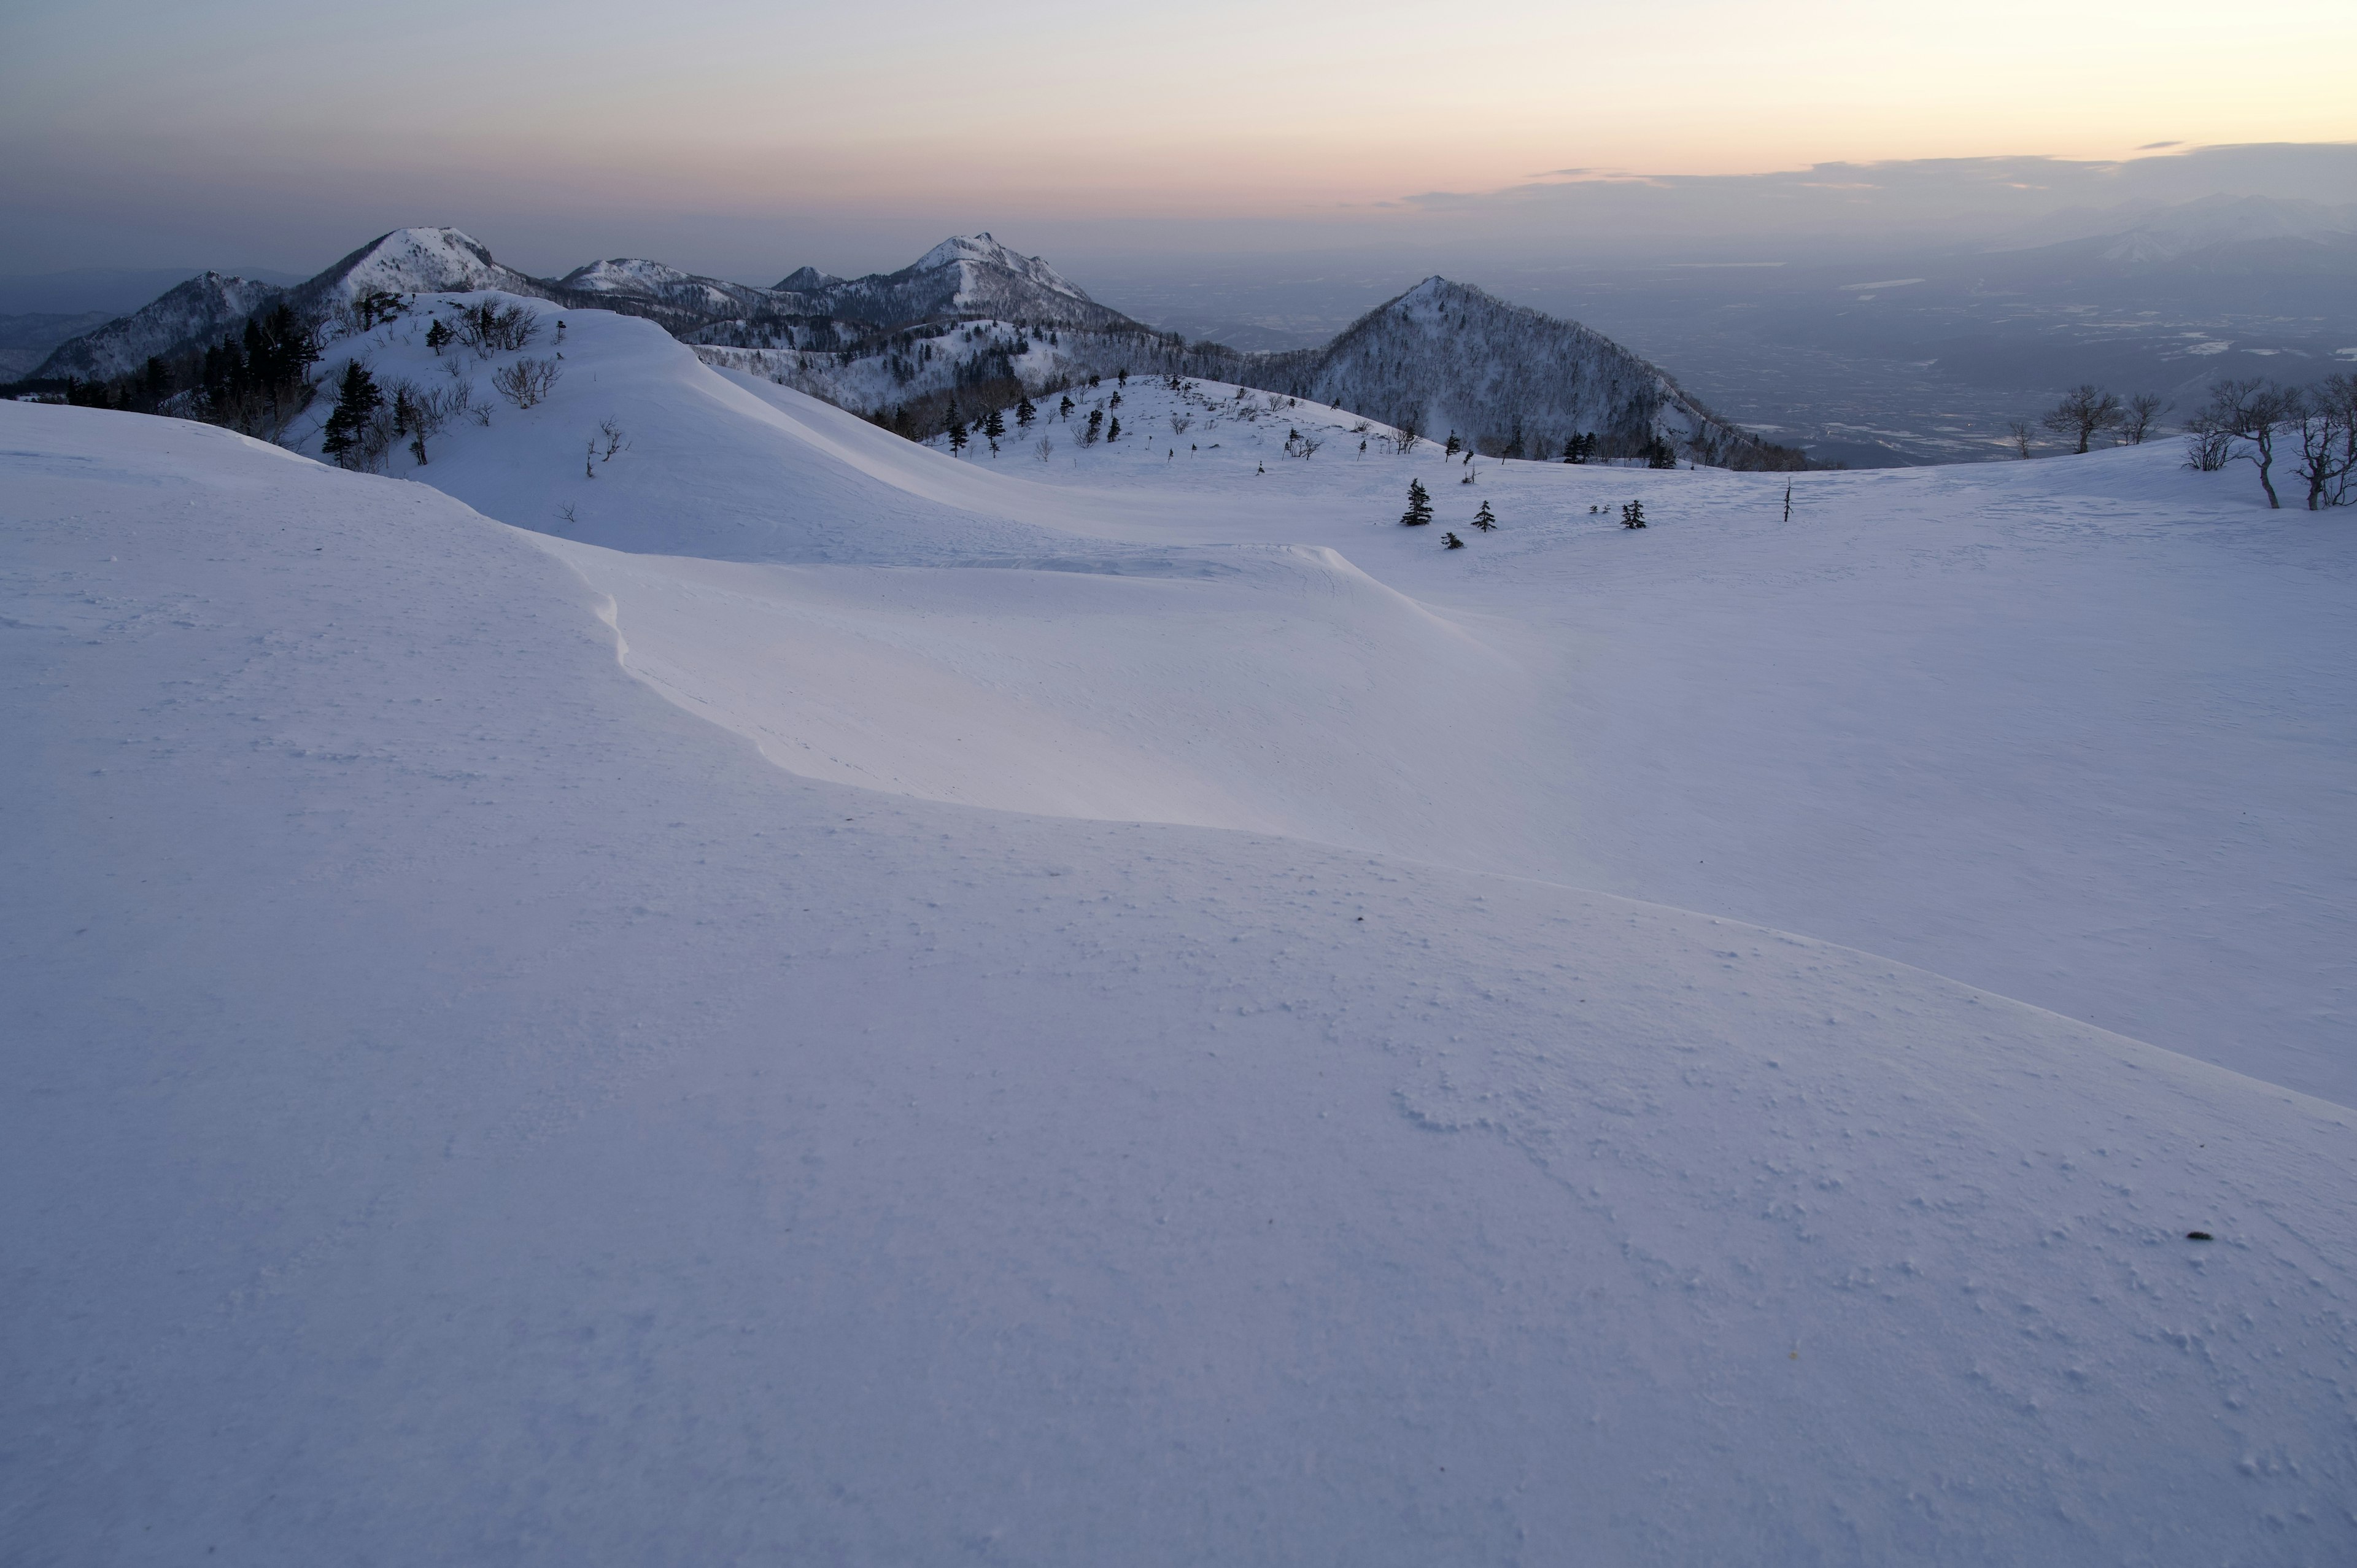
(356, 399)
(1112, 431)
(954, 427)
(1025, 413)
(1454, 543)
(993, 428)
(1064, 409)
(1419, 506)
(1659, 455)
(437, 336)
(1633, 515)
(1485, 520)
(1096, 427)
(1453, 447)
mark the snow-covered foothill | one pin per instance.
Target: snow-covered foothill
(818, 999)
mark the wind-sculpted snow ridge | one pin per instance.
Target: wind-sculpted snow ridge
(199, 310)
(472, 1109)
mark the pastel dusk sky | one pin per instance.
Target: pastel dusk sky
(148, 131)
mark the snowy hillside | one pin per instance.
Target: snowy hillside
(473, 1107)
(197, 311)
(1937, 716)
(1441, 359)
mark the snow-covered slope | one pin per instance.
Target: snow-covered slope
(194, 313)
(470, 1108)
(2076, 732)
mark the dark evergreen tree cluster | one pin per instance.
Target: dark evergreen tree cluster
(1633, 515)
(1580, 449)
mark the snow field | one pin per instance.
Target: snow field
(2078, 732)
(471, 1108)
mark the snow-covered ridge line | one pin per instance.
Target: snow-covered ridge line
(1441, 357)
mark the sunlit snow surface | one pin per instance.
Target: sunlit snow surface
(850, 1004)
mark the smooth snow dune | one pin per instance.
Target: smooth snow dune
(466, 1109)
(1276, 689)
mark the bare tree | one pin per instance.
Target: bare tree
(2084, 411)
(2136, 423)
(2018, 434)
(2323, 422)
(2249, 412)
(1046, 448)
(612, 438)
(491, 327)
(526, 382)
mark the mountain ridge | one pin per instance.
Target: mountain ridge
(1443, 354)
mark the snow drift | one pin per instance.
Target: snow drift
(471, 1108)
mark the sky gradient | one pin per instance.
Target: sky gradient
(715, 132)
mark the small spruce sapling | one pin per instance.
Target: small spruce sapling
(1454, 447)
(1064, 409)
(1454, 543)
(1419, 506)
(1112, 431)
(1633, 515)
(1485, 520)
(1025, 413)
(437, 336)
(993, 427)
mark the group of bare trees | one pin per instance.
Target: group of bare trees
(2089, 411)
(2313, 429)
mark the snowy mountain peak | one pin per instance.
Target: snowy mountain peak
(623, 275)
(416, 260)
(986, 252)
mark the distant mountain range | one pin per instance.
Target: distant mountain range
(1442, 357)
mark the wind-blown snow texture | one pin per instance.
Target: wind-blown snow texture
(471, 1106)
